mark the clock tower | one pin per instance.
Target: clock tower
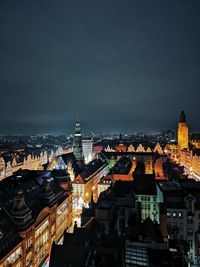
(77, 145)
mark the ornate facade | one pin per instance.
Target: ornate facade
(86, 182)
(33, 219)
(31, 162)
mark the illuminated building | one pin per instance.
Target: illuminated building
(103, 184)
(147, 193)
(158, 149)
(171, 150)
(77, 145)
(183, 135)
(87, 144)
(35, 211)
(187, 152)
(183, 214)
(30, 162)
(86, 182)
(146, 157)
(120, 148)
(140, 148)
(97, 149)
(158, 167)
(195, 140)
(131, 148)
(122, 170)
(113, 234)
(67, 162)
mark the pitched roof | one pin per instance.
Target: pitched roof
(145, 184)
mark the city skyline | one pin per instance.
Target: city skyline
(119, 66)
(99, 133)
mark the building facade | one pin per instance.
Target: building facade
(32, 219)
(85, 184)
(183, 215)
(87, 144)
(30, 162)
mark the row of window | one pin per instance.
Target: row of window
(148, 206)
(13, 257)
(146, 198)
(175, 228)
(41, 237)
(29, 242)
(39, 244)
(28, 258)
(41, 254)
(41, 229)
(175, 214)
(62, 208)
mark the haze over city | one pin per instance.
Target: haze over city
(99, 133)
(121, 66)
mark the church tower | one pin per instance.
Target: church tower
(77, 145)
(183, 134)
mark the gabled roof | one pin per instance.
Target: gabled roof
(70, 158)
(92, 167)
(79, 180)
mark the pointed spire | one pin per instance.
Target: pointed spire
(182, 117)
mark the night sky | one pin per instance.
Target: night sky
(120, 66)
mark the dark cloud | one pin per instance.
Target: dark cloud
(118, 65)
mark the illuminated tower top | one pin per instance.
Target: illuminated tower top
(77, 146)
(183, 133)
(77, 128)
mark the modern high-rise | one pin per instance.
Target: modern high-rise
(183, 135)
(87, 143)
(77, 145)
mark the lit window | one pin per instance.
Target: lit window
(13, 257)
(168, 214)
(28, 243)
(41, 229)
(180, 214)
(39, 244)
(28, 258)
(174, 214)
